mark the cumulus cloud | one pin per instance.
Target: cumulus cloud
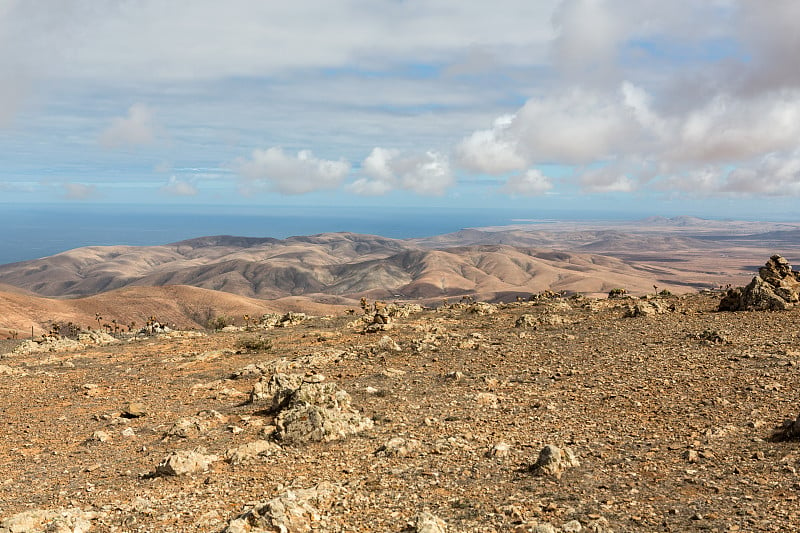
(607, 135)
(274, 169)
(79, 191)
(177, 187)
(686, 96)
(427, 174)
(529, 183)
(492, 151)
(134, 129)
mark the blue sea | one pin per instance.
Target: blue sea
(31, 232)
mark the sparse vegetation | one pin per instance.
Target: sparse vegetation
(69, 330)
(254, 343)
(219, 322)
(617, 293)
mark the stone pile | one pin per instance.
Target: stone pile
(775, 288)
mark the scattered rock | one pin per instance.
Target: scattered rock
(649, 308)
(99, 436)
(775, 288)
(482, 309)
(185, 462)
(99, 338)
(386, 344)
(599, 525)
(573, 526)
(70, 520)
(550, 319)
(553, 461)
(426, 522)
(500, 450)
(535, 526)
(250, 451)
(789, 430)
(134, 410)
(454, 376)
(711, 336)
(193, 426)
(487, 399)
(525, 321)
(398, 447)
(48, 344)
(289, 512)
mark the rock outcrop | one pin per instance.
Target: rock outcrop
(185, 462)
(775, 288)
(73, 519)
(309, 411)
(293, 510)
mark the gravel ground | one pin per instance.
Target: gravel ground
(669, 416)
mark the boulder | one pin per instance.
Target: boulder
(553, 461)
(100, 338)
(275, 390)
(649, 308)
(71, 520)
(387, 344)
(426, 522)
(309, 410)
(291, 511)
(525, 321)
(251, 451)
(500, 450)
(775, 288)
(482, 309)
(789, 430)
(185, 462)
(398, 447)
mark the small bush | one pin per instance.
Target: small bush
(254, 344)
(219, 323)
(617, 293)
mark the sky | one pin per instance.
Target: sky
(679, 107)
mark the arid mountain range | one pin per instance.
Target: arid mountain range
(337, 269)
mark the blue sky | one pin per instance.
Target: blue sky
(679, 107)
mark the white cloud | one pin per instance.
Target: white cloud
(134, 129)
(148, 40)
(529, 183)
(490, 151)
(273, 169)
(427, 174)
(78, 191)
(606, 180)
(605, 87)
(179, 187)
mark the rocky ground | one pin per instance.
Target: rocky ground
(663, 422)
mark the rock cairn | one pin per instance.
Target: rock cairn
(775, 288)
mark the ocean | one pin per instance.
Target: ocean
(31, 232)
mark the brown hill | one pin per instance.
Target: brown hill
(186, 307)
(489, 263)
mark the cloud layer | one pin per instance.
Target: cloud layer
(647, 98)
